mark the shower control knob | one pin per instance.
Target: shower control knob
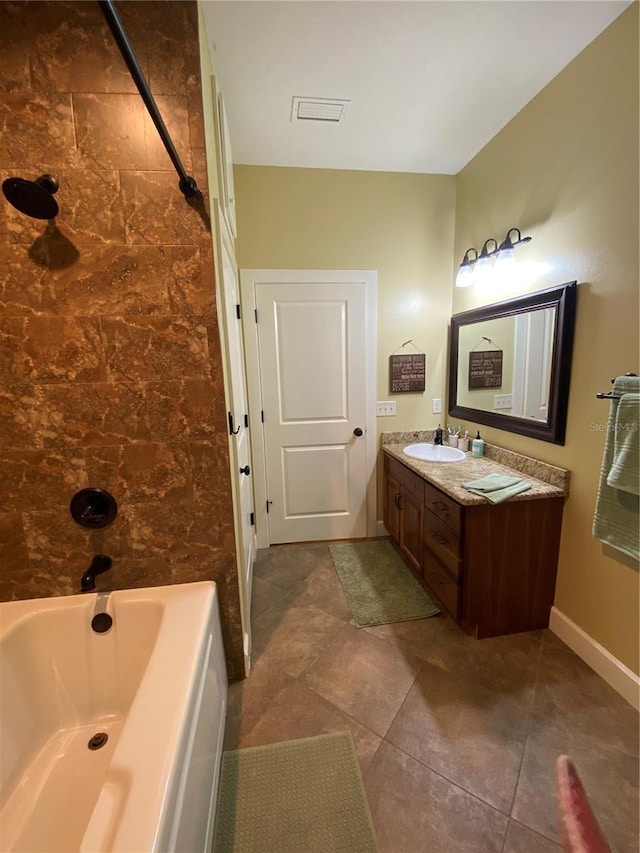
(357, 431)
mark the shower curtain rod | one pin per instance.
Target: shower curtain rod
(187, 184)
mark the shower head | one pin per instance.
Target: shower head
(35, 198)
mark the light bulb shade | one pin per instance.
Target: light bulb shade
(465, 276)
(505, 266)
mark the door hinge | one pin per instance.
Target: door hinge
(255, 314)
(238, 313)
(262, 416)
(246, 421)
(268, 504)
(252, 518)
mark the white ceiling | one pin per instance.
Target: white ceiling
(430, 81)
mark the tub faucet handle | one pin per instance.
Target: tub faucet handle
(100, 563)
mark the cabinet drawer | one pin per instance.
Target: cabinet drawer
(410, 481)
(443, 506)
(443, 541)
(441, 584)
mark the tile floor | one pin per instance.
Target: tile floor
(457, 738)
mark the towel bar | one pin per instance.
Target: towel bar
(610, 395)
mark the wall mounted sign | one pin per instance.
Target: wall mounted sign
(407, 372)
(485, 369)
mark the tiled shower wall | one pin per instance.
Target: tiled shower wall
(110, 363)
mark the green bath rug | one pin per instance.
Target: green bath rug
(378, 584)
(301, 796)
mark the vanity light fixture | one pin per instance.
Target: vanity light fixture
(465, 273)
(501, 257)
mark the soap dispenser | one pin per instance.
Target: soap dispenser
(438, 436)
(477, 446)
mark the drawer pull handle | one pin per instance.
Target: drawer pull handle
(439, 539)
(441, 505)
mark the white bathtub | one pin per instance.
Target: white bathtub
(155, 683)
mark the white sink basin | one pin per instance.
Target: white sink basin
(434, 453)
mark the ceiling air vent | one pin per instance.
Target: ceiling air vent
(319, 109)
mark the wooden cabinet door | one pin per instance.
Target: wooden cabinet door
(411, 522)
(390, 509)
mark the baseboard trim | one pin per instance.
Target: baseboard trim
(614, 672)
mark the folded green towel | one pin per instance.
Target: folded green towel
(617, 517)
(625, 467)
(492, 482)
(498, 495)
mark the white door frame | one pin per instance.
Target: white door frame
(250, 279)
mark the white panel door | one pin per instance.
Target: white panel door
(312, 341)
(238, 424)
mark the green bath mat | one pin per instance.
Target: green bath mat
(379, 586)
(301, 796)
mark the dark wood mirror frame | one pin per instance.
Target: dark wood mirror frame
(563, 299)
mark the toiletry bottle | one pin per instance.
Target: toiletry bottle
(477, 446)
(438, 437)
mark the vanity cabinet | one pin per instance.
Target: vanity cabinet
(492, 567)
(404, 511)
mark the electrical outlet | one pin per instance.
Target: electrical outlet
(502, 401)
(436, 405)
(385, 408)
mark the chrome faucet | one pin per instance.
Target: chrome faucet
(100, 563)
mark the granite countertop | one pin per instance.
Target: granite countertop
(448, 477)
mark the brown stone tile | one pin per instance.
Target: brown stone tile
(210, 465)
(14, 69)
(43, 583)
(322, 589)
(183, 409)
(415, 809)
(51, 349)
(91, 214)
(416, 636)
(364, 677)
(571, 696)
(521, 839)
(141, 472)
(99, 413)
(609, 775)
(23, 289)
(196, 119)
(175, 114)
(293, 640)
(156, 212)
(472, 735)
(38, 479)
(181, 531)
(502, 663)
(190, 292)
(111, 131)
(14, 556)
(19, 415)
(263, 596)
(37, 133)
(148, 348)
(73, 50)
(299, 712)
(249, 699)
(289, 566)
(53, 538)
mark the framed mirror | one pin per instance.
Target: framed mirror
(510, 363)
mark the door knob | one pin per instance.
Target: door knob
(246, 470)
(357, 431)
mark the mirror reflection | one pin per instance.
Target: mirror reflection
(504, 364)
(510, 363)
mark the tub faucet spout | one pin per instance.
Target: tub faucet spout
(100, 563)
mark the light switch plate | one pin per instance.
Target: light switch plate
(502, 401)
(385, 408)
(436, 405)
